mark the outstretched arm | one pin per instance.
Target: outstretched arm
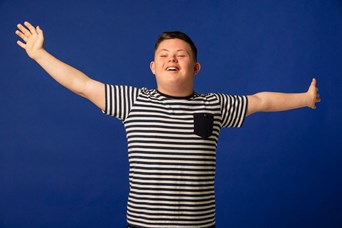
(274, 102)
(66, 75)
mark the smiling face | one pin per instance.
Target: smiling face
(174, 67)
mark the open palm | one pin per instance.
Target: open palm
(33, 39)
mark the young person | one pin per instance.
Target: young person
(172, 131)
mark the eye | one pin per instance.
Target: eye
(182, 54)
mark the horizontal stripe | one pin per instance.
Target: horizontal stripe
(171, 173)
(174, 208)
(157, 222)
(172, 169)
(180, 216)
(167, 194)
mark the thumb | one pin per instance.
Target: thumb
(39, 30)
(313, 82)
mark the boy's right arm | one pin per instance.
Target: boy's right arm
(63, 73)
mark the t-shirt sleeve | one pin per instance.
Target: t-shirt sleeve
(233, 109)
(119, 100)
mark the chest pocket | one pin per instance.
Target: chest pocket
(203, 124)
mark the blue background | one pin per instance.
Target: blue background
(64, 164)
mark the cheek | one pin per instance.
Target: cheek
(157, 68)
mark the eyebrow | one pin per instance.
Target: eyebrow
(164, 49)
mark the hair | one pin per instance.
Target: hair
(177, 35)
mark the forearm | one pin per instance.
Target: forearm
(274, 102)
(71, 78)
(66, 75)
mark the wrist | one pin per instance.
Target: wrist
(39, 54)
(307, 100)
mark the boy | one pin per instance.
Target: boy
(172, 131)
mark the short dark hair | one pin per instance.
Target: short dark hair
(177, 35)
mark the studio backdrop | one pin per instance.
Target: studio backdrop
(63, 163)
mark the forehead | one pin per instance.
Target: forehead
(173, 44)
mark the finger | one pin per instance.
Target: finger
(30, 27)
(21, 44)
(24, 30)
(21, 35)
(39, 31)
(313, 82)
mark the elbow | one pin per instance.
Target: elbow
(258, 103)
(81, 88)
(263, 104)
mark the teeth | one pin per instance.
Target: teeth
(171, 68)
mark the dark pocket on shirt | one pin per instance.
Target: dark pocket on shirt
(203, 124)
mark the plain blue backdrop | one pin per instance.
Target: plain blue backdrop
(64, 164)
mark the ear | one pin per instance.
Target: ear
(197, 68)
(152, 67)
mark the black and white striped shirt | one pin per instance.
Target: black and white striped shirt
(172, 152)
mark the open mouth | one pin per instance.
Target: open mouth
(172, 68)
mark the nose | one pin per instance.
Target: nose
(172, 58)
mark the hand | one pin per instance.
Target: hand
(312, 95)
(33, 39)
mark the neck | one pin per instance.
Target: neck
(176, 96)
(176, 92)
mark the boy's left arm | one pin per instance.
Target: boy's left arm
(274, 102)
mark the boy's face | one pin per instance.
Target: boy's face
(174, 67)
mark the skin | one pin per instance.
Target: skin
(66, 75)
(178, 82)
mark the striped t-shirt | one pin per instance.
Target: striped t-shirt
(172, 152)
